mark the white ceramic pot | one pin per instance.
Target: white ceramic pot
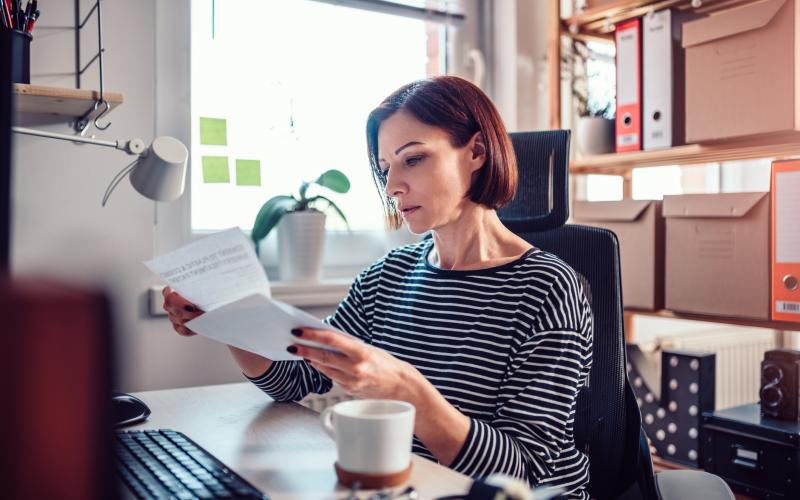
(301, 242)
(595, 135)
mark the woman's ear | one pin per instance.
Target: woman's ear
(477, 149)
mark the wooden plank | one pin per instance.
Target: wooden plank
(768, 146)
(60, 101)
(773, 325)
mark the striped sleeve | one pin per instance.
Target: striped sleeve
(294, 380)
(534, 419)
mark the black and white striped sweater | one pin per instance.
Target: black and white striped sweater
(508, 346)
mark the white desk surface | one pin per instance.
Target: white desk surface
(279, 447)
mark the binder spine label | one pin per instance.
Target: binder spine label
(782, 306)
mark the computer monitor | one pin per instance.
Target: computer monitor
(55, 386)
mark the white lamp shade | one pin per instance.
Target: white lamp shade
(160, 173)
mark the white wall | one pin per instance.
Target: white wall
(59, 229)
(518, 63)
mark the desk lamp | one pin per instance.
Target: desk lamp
(157, 173)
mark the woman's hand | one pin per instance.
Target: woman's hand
(360, 369)
(368, 372)
(179, 310)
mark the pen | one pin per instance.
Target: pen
(7, 13)
(32, 21)
(26, 16)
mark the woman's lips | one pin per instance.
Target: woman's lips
(410, 210)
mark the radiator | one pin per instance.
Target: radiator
(738, 360)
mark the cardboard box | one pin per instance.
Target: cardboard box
(742, 71)
(717, 254)
(639, 226)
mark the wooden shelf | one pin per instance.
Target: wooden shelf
(599, 21)
(60, 101)
(771, 146)
(773, 325)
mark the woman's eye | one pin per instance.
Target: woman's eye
(413, 160)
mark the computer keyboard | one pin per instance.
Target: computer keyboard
(166, 464)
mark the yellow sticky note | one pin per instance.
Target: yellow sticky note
(248, 173)
(213, 131)
(215, 169)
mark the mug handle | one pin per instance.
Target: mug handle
(327, 422)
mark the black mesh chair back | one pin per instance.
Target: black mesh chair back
(542, 199)
(608, 422)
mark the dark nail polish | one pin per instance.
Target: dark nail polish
(190, 309)
(292, 349)
(297, 332)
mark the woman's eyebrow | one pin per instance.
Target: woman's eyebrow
(404, 146)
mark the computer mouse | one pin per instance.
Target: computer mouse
(128, 410)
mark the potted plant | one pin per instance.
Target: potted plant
(594, 131)
(301, 227)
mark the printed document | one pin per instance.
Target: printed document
(222, 275)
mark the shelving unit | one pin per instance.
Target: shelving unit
(60, 101)
(83, 107)
(598, 23)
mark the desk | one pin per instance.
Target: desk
(279, 447)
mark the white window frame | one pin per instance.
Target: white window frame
(345, 253)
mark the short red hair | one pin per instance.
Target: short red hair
(461, 109)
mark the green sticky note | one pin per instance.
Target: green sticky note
(213, 131)
(248, 173)
(215, 169)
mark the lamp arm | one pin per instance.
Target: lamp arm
(134, 146)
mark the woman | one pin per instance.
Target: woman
(489, 338)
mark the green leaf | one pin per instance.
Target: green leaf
(270, 214)
(332, 205)
(334, 180)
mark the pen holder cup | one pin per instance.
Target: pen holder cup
(20, 56)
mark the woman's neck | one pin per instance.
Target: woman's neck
(476, 240)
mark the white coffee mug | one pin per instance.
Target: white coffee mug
(373, 436)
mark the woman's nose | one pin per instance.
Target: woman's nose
(394, 185)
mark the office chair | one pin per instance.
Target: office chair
(608, 424)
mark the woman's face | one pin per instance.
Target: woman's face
(425, 174)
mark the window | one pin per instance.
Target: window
(280, 92)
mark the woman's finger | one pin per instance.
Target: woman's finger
(176, 301)
(340, 377)
(185, 312)
(350, 347)
(323, 356)
(182, 330)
